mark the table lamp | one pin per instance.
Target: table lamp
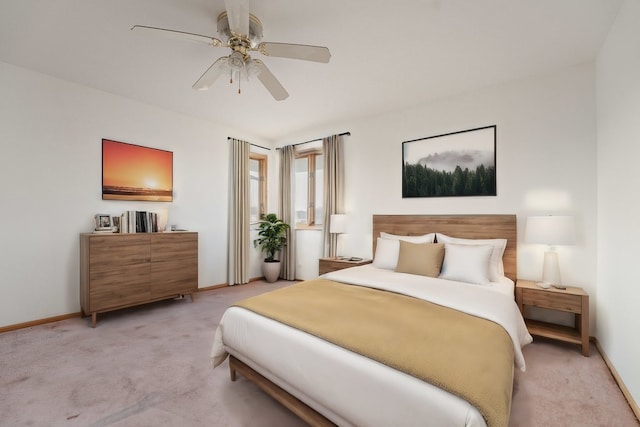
(550, 230)
(338, 225)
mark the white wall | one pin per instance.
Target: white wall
(546, 162)
(50, 180)
(618, 95)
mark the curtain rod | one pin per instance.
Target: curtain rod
(255, 145)
(317, 139)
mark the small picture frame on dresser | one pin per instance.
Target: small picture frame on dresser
(103, 222)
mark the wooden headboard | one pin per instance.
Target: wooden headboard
(464, 226)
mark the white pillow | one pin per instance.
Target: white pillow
(425, 238)
(387, 252)
(496, 267)
(466, 263)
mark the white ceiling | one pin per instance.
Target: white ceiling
(386, 55)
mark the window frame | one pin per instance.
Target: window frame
(311, 155)
(262, 160)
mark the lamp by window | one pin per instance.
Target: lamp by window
(338, 225)
(550, 230)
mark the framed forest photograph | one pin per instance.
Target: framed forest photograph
(460, 164)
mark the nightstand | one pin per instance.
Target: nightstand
(571, 300)
(327, 265)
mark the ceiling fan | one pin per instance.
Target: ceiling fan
(242, 33)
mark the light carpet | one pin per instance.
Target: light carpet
(150, 366)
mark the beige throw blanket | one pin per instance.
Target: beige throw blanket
(462, 354)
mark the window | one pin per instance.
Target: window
(309, 185)
(257, 186)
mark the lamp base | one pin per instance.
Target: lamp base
(543, 285)
(551, 269)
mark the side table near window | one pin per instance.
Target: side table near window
(571, 300)
(327, 265)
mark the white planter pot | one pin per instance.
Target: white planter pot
(271, 271)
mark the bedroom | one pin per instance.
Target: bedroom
(564, 144)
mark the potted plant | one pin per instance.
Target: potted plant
(271, 239)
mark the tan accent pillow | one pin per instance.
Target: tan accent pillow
(424, 259)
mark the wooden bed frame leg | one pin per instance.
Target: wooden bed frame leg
(302, 410)
(232, 369)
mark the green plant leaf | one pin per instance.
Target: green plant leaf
(272, 236)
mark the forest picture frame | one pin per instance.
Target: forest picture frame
(455, 164)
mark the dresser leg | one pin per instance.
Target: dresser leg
(94, 318)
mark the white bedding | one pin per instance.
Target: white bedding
(370, 274)
(350, 389)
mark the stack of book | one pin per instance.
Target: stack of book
(139, 222)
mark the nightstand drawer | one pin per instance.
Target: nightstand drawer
(552, 300)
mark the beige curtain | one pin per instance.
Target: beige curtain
(332, 149)
(288, 255)
(238, 270)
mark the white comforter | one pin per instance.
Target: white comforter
(351, 389)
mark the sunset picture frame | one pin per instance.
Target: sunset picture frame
(134, 172)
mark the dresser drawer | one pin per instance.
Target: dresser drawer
(172, 246)
(552, 300)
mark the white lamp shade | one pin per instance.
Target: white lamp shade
(550, 230)
(338, 224)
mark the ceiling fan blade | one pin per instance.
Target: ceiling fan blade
(238, 16)
(270, 82)
(211, 75)
(295, 51)
(177, 35)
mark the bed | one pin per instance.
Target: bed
(332, 382)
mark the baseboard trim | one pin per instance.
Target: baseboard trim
(224, 285)
(39, 322)
(623, 388)
(212, 287)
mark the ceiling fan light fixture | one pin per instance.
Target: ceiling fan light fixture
(236, 61)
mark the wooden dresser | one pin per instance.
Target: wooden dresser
(123, 270)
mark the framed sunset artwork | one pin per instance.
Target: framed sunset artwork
(133, 172)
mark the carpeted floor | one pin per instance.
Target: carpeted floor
(150, 366)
